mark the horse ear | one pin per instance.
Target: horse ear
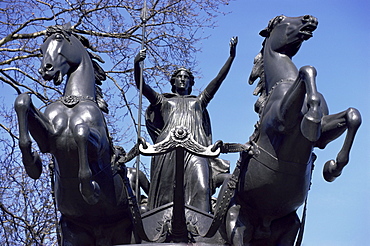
(67, 27)
(272, 23)
(265, 32)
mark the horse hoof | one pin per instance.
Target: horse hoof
(328, 171)
(311, 128)
(35, 168)
(93, 191)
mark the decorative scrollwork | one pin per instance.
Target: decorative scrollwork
(72, 100)
(179, 137)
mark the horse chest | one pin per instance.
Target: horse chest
(64, 119)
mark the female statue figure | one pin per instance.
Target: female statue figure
(180, 108)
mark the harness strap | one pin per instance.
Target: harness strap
(52, 181)
(130, 155)
(134, 208)
(225, 197)
(133, 205)
(71, 100)
(268, 160)
(303, 222)
(234, 147)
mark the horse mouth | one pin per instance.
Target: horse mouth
(58, 78)
(307, 30)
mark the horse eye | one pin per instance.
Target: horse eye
(58, 36)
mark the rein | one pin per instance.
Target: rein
(223, 203)
(52, 181)
(270, 161)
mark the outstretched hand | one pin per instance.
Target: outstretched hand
(140, 56)
(233, 43)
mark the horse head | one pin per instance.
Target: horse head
(62, 53)
(286, 34)
(283, 38)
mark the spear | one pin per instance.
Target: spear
(143, 18)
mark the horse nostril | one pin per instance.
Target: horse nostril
(310, 18)
(48, 67)
(306, 18)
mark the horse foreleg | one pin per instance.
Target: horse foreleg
(293, 102)
(311, 122)
(31, 160)
(333, 126)
(89, 189)
(234, 228)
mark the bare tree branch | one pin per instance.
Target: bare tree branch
(113, 28)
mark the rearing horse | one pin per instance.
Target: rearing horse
(275, 174)
(89, 194)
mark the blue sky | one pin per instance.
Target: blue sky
(338, 212)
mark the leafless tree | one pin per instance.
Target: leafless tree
(113, 27)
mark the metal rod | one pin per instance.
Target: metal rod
(179, 229)
(143, 21)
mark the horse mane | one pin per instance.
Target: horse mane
(258, 70)
(66, 31)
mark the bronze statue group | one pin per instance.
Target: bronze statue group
(269, 183)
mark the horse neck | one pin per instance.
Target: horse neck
(81, 82)
(277, 66)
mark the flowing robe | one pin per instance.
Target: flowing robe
(169, 111)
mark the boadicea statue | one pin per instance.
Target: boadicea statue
(275, 174)
(91, 196)
(179, 108)
(257, 203)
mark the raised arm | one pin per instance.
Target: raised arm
(148, 92)
(215, 84)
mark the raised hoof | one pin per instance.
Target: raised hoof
(34, 168)
(311, 128)
(91, 194)
(328, 171)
